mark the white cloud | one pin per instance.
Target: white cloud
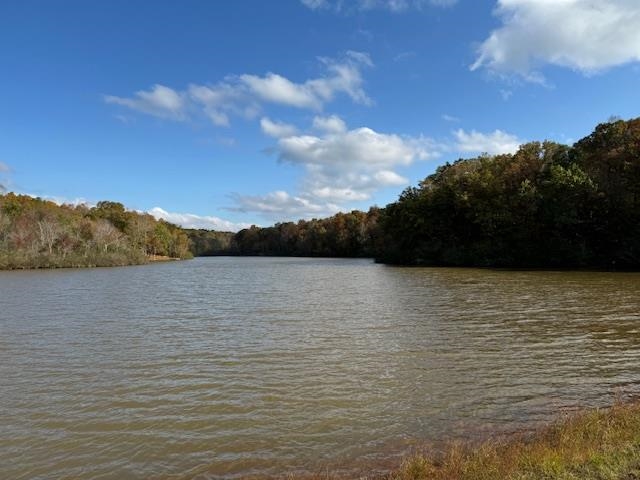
(389, 178)
(244, 95)
(189, 220)
(340, 194)
(160, 101)
(341, 186)
(342, 77)
(219, 119)
(277, 89)
(217, 102)
(492, 143)
(395, 6)
(350, 165)
(281, 205)
(4, 168)
(277, 129)
(330, 124)
(585, 35)
(341, 167)
(362, 148)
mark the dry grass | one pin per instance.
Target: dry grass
(599, 444)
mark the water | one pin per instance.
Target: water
(241, 366)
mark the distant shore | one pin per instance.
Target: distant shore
(114, 261)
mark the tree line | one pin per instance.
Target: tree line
(547, 205)
(36, 233)
(353, 234)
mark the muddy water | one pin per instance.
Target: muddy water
(226, 367)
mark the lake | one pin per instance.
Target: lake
(241, 366)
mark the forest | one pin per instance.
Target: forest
(547, 205)
(36, 233)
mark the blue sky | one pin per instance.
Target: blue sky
(223, 114)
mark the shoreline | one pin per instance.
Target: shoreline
(601, 443)
(151, 259)
(590, 444)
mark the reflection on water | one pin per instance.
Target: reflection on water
(239, 366)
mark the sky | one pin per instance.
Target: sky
(223, 114)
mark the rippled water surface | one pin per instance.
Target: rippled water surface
(240, 366)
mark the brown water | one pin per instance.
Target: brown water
(239, 366)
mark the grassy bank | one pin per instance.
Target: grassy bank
(599, 444)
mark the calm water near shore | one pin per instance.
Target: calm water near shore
(240, 366)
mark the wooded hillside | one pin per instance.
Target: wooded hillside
(36, 233)
(548, 205)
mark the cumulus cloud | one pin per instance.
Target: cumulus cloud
(344, 165)
(159, 101)
(281, 205)
(244, 95)
(585, 35)
(330, 124)
(361, 148)
(341, 167)
(349, 186)
(339, 194)
(278, 89)
(389, 178)
(189, 220)
(395, 6)
(277, 129)
(492, 143)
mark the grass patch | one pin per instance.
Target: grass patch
(599, 444)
